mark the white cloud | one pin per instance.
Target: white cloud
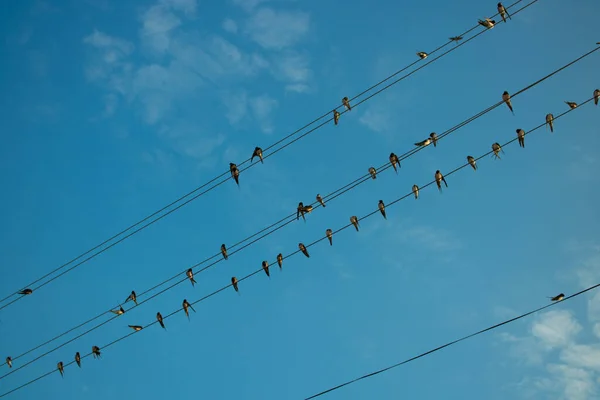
(276, 30)
(248, 5)
(157, 23)
(238, 104)
(186, 6)
(556, 328)
(294, 69)
(229, 25)
(262, 106)
(376, 120)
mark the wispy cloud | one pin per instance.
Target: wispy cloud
(229, 25)
(277, 30)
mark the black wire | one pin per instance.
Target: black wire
(308, 246)
(225, 173)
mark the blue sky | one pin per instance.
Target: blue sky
(110, 111)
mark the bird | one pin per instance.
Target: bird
(488, 23)
(235, 173)
(26, 292)
(320, 200)
(265, 267)
(456, 38)
(381, 207)
(596, 96)
(550, 121)
(506, 99)
(425, 142)
(558, 297)
(234, 282)
(132, 297)
(438, 180)
(434, 138)
(9, 362)
(571, 104)
(496, 148)
(422, 55)
(136, 328)
(280, 260)
(190, 275)
(415, 190)
(373, 172)
(61, 368)
(329, 234)
(302, 209)
(257, 153)
(346, 103)
(78, 359)
(521, 136)
(159, 318)
(394, 160)
(187, 305)
(503, 13)
(354, 221)
(224, 251)
(336, 116)
(120, 311)
(472, 162)
(96, 352)
(303, 249)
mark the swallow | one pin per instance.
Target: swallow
(303, 249)
(373, 172)
(234, 282)
(320, 200)
(438, 180)
(415, 190)
(434, 138)
(9, 362)
(132, 297)
(120, 311)
(96, 352)
(257, 153)
(472, 162)
(557, 298)
(61, 368)
(136, 328)
(382, 208)
(265, 267)
(503, 13)
(78, 359)
(300, 211)
(521, 136)
(159, 318)
(496, 148)
(596, 96)
(425, 142)
(488, 23)
(346, 103)
(26, 292)
(336, 116)
(224, 251)
(422, 55)
(235, 173)
(329, 234)
(456, 38)
(394, 160)
(190, 274)
(280, 260)
(571, 104)
(550, 121)
(187, 305)
(506, 99)
(354, 222)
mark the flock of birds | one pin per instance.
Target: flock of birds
(302, 209)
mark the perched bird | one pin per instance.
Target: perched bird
(550, 121)
(280, 260)
(190, 275)
(382, 208)
(302, 209)
(503, 13)
(336, 116)
(506, 99)
(265, 267)
(159, 318)
(257, 153)
(557, 298)
(320, 200)
(329, 234)
(521, 136)
(571, 104)
(120, 311)
(496, 148)
(235, 173)
(96, 352)
(78, 359)
(438, 180)
(187, 305)
(224, 251)
(136, 328)
(132, 297)
(354, 222)
(303, 249)
(61, 368)
(234, 282)
(415, 190)
(472, 162)
(456, 38)
(346, 103)
(26, 292)
(394, 160)
(596, 96)
(488, 23)
(373, 172)
(434, 138)
(425, 142)
(9, 362)
(422, 55)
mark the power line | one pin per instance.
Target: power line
(329, 197)
(450, 343)
(241, 170)
(297, 251)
